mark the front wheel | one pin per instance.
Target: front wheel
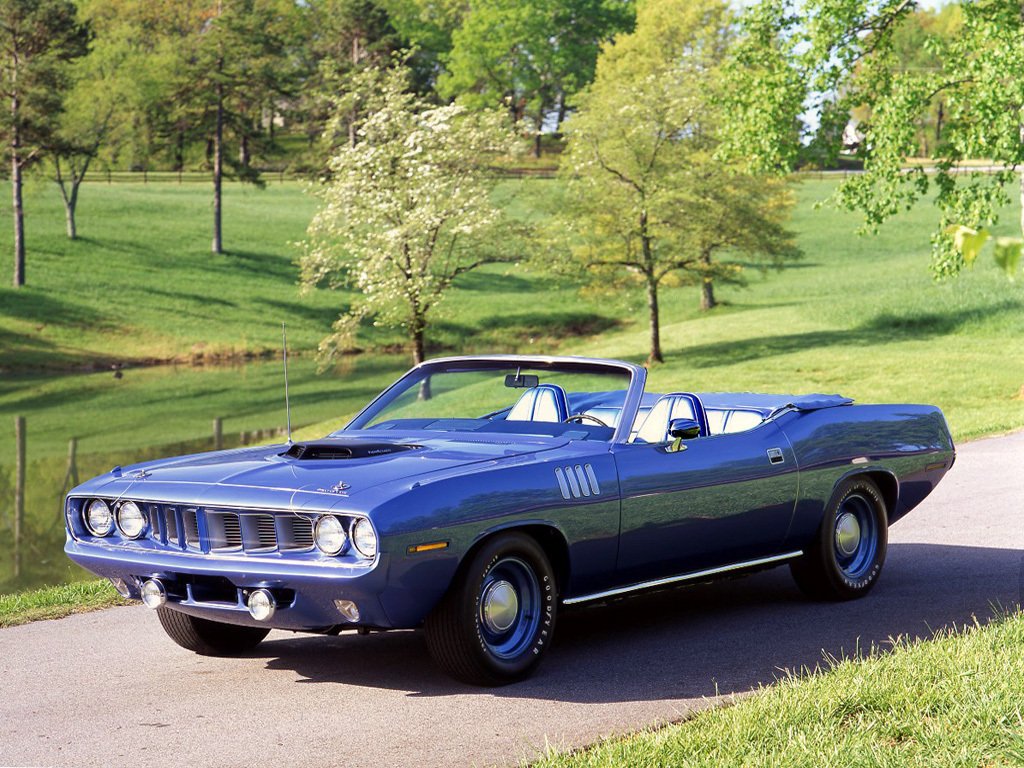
(846, 558)
(498, 618)
(208, 638)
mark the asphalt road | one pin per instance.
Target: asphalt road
(109, 689)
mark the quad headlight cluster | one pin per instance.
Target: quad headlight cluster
(331, 538)
(100, 520)
(332, 534)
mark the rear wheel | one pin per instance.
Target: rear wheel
(498, 617)
(846, 558)
(208, 638)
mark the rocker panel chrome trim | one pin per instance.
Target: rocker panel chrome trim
(683, 577)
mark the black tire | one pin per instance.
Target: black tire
(466, 632)
(848, 553)
(208, 638)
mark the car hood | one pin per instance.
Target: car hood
(316, 473)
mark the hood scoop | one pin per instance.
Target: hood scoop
(336, 452)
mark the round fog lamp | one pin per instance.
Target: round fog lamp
(330, 535)
(98, 519)
(261, 605)
(131, 520)
(153, 593)
(364, 538)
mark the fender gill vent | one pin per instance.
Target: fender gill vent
(576, 481)
(335, 452)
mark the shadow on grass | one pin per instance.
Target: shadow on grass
(516, 331)
(722, 638)
(287, 310)
(492, 282)
(882, 329)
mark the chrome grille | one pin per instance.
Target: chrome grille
(171, 527)
(220, 530)
(296, 532)
(223, 531)
(190, 527)
(266, 532)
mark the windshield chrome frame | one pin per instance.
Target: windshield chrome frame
(630, 405)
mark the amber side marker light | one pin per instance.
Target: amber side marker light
(427, 547)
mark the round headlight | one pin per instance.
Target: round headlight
(130, 520)
(98, 519)
(330, 535)
(364, 538)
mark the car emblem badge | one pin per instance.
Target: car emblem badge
(338, 488)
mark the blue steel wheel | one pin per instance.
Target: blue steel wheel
(846, 558)
(498, 618)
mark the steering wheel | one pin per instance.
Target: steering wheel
(582, 416)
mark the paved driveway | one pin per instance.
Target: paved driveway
(109, 689)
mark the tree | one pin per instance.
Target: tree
(340, 39)
(648, 201)
(529, 55)
(98, 105)
(406, 211)
(830, 58)
(234, 66)
(38, 39)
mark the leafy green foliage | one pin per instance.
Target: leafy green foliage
(850, 57)
(406, 210)
(38, 40)
(647, 199)
(529, 56)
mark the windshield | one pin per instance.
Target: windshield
(575, 399)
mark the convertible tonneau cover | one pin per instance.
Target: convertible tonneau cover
(770, 403)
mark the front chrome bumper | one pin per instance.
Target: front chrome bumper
(215, 587)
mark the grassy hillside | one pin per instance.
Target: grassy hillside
(860, 315)
(140, 284)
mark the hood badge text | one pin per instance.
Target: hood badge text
(338, 488)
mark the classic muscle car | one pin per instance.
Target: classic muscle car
(479, 496)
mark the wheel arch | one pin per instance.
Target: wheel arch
(884, 480)
(547, 535)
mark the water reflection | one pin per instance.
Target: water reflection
(56, 431)
(33, 492)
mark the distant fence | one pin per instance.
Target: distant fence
(180, 177)
(268, 176)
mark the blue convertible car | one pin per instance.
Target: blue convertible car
(478, 496)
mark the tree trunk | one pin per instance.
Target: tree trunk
(19, 213)
(179, 151)
(243, 152)
(419, 345)
(19, 216)
(218, 170)
(536, 138)
(655, 321)
(69, 217)
(707, 285)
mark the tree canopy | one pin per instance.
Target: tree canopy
(833, 59)
(648, 202)
(406, 210)
(530, 56)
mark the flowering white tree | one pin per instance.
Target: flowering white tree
(406, 210)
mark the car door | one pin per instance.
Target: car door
(722, 499)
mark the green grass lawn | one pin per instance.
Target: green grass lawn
(859, 315)
(57, 602)
(952, 701)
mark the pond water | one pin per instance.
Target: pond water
(59, 430)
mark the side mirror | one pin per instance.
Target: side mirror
(683, 429)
